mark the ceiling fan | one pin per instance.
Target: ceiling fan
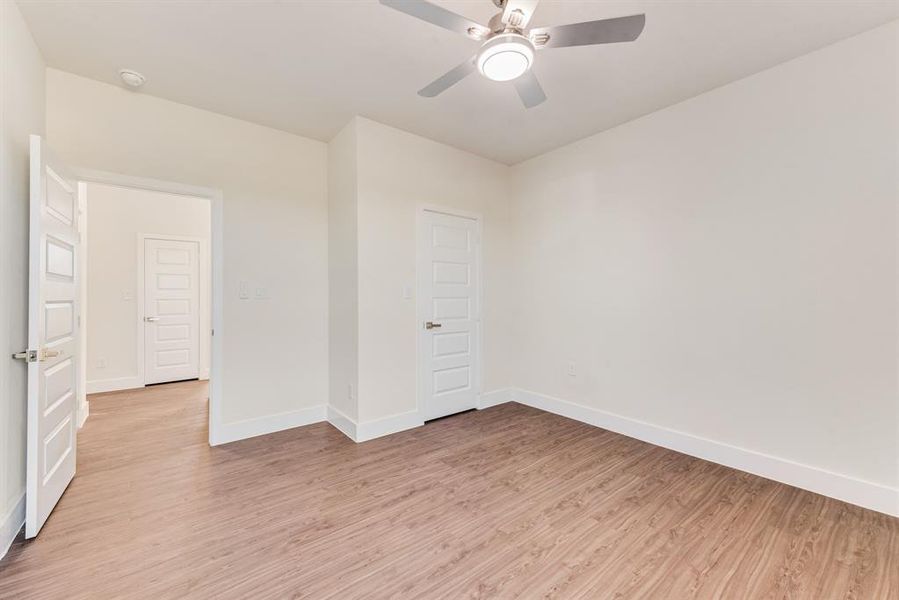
(508, 46)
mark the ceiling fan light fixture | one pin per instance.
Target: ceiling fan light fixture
(505, 57)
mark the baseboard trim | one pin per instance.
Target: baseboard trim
(99, 386)
(495, 398)
(12, 524)
(84, 410)
(369, 430)
(241, 430)
(834, 485)
(342, 423)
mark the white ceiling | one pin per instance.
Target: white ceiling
(309, 66)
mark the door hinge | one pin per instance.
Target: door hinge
(28, 356)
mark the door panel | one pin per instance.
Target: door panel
(52, 334)
(449, 297)
(172, 310)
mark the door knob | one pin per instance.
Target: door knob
(151, 319)
(430, 325)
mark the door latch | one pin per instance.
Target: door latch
(31, 356)
(431, 325)
(28, 356)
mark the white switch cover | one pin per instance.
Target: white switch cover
(572, 369)
(244, 290)
(261, 293)
(407, 292)
(126, 295)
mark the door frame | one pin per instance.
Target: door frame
(205, 273)
(216, 256)
(420, 315)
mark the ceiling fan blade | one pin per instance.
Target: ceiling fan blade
(439, 16)
(605, 31)
(529, 89)
(447, 80)
(524, 7)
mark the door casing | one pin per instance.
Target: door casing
(217, 294)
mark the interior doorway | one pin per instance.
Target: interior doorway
(70, 214)
(449, 310)
(169, 286)
(147, 274)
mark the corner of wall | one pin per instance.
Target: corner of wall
(343, 274)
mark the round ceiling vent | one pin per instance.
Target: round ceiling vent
(132, 79)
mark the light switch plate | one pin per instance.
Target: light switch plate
(244, 290)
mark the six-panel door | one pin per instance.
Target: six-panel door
(448, 288)
(52, 335)
(171, 310)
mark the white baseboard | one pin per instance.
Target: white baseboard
(11, 525)
(369, 430)
(495, 398)
(240, 430)
(84, 410)
(342, 423)
(98, 386)
(835, 485)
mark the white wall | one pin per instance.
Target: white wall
(274, 185)
(397, 172)
(727, 267)
(343, 273)
(116, 216)
(21, 114)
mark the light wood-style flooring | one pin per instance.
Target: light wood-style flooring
(508, 502)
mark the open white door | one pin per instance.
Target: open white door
(449, 296)
(52, 335)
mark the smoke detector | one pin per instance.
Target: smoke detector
(132, 79)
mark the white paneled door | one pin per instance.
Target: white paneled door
(171, 310)
(449, 307)
(52, 354)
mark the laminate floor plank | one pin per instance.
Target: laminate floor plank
(509, 502)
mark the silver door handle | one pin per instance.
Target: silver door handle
(430, 325)
(45, 354)
(151, 319)
(34, 356)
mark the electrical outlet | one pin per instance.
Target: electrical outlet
(101, 363)
(572, 369)
(349, 391)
